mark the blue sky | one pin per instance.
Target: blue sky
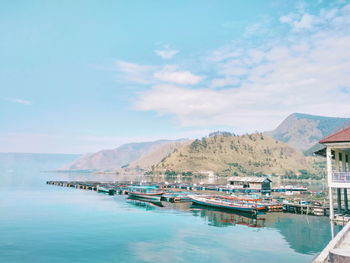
(80, 76)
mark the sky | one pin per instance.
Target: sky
(81, 76)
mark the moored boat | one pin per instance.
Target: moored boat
(176, 197)
(145, 193)
(153, 196)
(236, 205)
(270, 206)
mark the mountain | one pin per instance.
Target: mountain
(114, 158)
(253, 154)
(151, 158)
(303, 131)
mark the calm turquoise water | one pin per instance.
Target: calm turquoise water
(44, 223)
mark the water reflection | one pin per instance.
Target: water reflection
(304, 234)
(220, 218)
(144, 203)
(110, 228)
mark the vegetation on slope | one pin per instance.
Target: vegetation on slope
(225, 154)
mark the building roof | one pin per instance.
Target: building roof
(339, 136)
(249, 179)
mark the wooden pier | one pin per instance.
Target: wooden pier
(112, 188)
(306, 209)
(190, 187)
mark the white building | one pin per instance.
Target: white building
(258, 183)
(337, 152)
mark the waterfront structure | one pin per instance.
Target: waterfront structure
(261, 183)
(337, 152)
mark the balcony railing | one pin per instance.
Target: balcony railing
(341, 177)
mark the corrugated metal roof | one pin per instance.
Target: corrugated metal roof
(340, 136)
(249, 179)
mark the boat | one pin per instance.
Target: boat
(236, 205)
(176, 197)
(104, 190)
(153, 196)
(270, 206)
(145, 192)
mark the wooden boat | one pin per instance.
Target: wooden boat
(176, 197)
(243, 198)
(236, 205)
(145, 192)
(146, 195)
(104, 190)
(259, 200)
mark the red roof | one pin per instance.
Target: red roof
(340, 136)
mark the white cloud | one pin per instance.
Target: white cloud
(134, 72)
(302, 21)
(224, 53)
(170, 74)
(328, 14)
(187, 104)
(298, 76)
(166, 53)
(144, 74)
(278, 53)
(234, 67)
(223, 82)
(261, 28)
(255, 56)
(307, 21)
(287, 19)
(254, 29)
(16, 100)
(335, 18)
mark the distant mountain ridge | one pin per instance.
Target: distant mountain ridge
(151, 158)
(115, 158)
(303, 131)
(226, 155)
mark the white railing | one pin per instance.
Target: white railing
(341, 177)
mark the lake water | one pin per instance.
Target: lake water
(45, 223)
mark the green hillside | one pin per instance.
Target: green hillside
(226, 155)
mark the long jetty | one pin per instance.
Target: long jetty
(112, 188)
(92, 185)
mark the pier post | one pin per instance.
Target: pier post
(346, 208)
(332, 229)
(339, 200)
(345, 169)
(329, 175)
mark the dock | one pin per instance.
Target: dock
(91, 185)
(307, 209)
(338, 249)
(176, 192)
